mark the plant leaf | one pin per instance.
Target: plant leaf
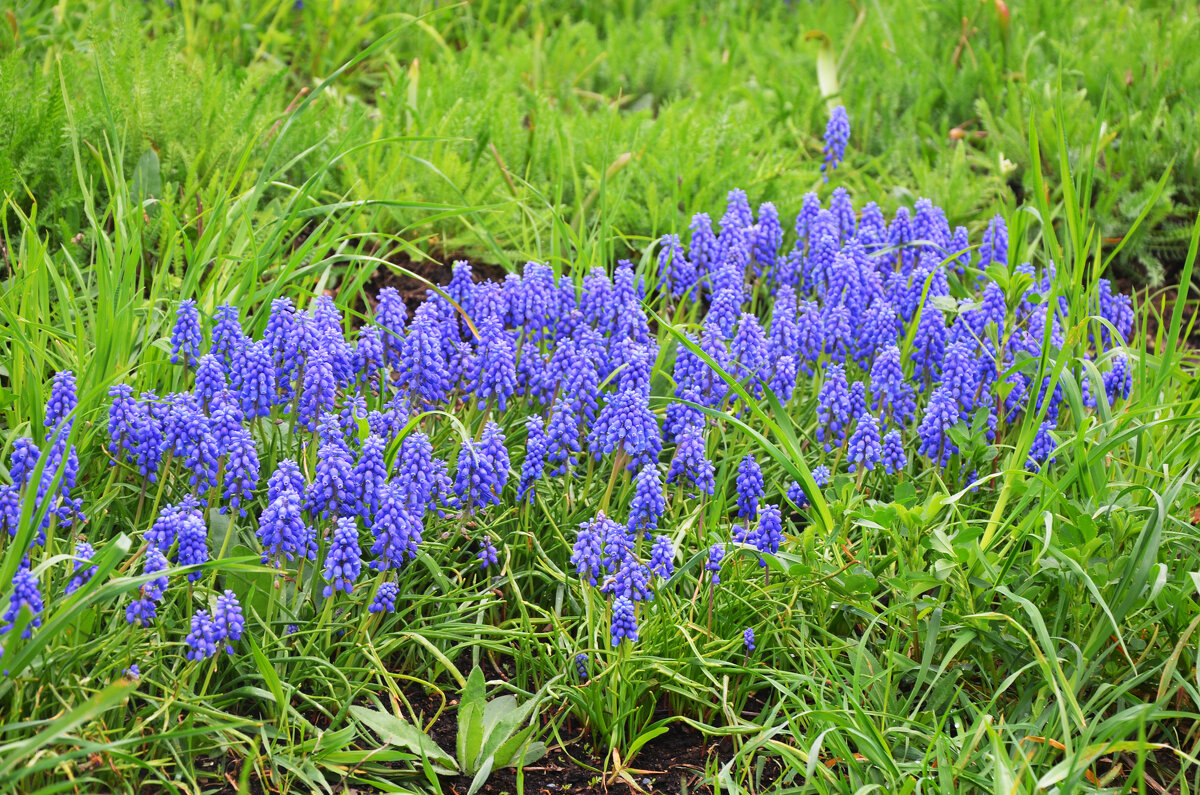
(397, 731)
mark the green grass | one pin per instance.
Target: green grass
(1037, 631)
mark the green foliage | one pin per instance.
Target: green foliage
(489, 737)
(986, 630)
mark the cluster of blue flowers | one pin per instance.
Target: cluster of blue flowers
(904, 336)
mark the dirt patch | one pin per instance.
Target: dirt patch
(412, 288)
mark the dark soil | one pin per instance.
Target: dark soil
(673, 762)
(434, 271)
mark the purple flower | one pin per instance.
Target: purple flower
(330, 492)
(203, 638)
(716, 553)
(210, 380)
(690, 464)
(228, 620)
(367, 478)
(385, 598)
(624, 621)
(254, 379)
(495, 367)
(893, 397)
(192, 533)
(284, 337)
(418, 480)
(487, 555)
(929, 344)
(1118, 382)
(837, 134)
(770, 531)
(795, 493)
(26, 592)
(392, 315)
(768, 236)
(842, 209)
(702, 246)
(994, 247)
(662, 557)
(397, 530)
(589, 546)
(227, 335)
(287, 476)
(750, 487)
(941, 415)
(675, 270)
(1040, 453)
(343, 561)
(534, 465)
(649, 502)
(833, 407)
(319, 394)
(423, 368)
(62, 400)
(865, 448)
(581, 666)
(893, 456)
(186, 337)
(820, 476)
(626, 423)
(748, 639)
(281, 528)
(84, 552)
(241, 469)
(369, 356)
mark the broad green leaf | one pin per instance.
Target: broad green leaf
(397, 731)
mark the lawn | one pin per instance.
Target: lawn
(650, 396)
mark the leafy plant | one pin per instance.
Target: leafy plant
(489, 734)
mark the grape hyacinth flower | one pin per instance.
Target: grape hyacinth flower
(624, 621)
(662, 557)
(144, 610)
(210, 380)
(534, 465)
(227, 335)
(241, 470)
(281, 529)
(287, 476)
(319, 395)
(227, 619)
(62, 400)
(941, 415)
(691, 464)
(833, 407)
(865, 448)
(192, 533)
(821, 476)
(581, 666)
(748, 640)
(385, 598)
(253, 379)
(649, 501)
(750, 487)
(495, 365)
(716, 553)
(396, 528)
(487, 555)
(367, 478)
(133, 672)
(84, 552)
(203, 638)
(770, 531)
(837, 135)
(893, 456)
(392, 315)
(589, 546)
(343, 562)
(26, 592)
(330, 492)
(795, 493)
(626, 423)
(186, 337)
